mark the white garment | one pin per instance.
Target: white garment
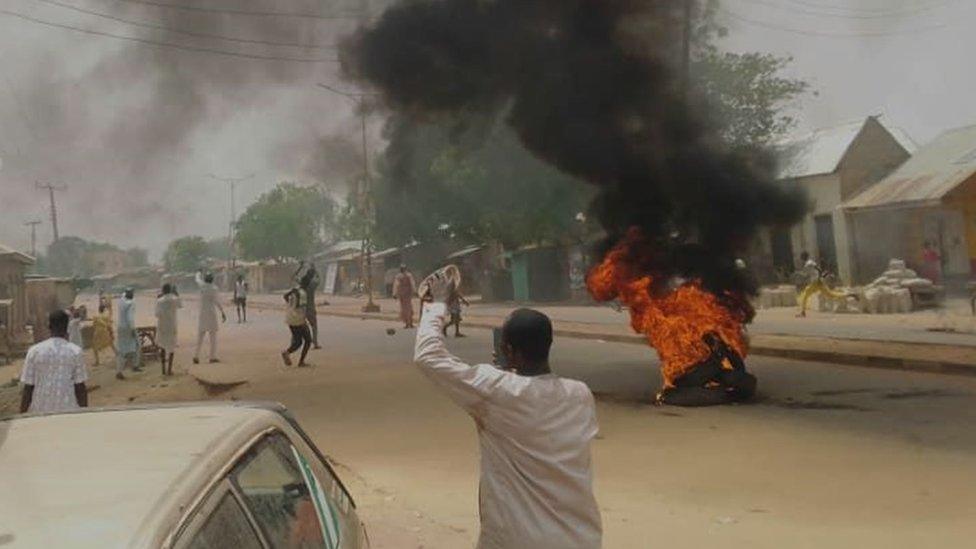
(74, 332)
(240, 290)
(812, 271)
(166, 307)
(208, 306)
(534, 432)
(53, 367)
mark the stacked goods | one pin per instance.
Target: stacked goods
(777, 296)
(892, 291)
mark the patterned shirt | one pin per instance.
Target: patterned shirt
(53, 367)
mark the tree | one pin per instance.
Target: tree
(476, 186)
(749, 95)
(137, 257)
(218, 247)
(185, 254)
(66, 257)
(290, 221)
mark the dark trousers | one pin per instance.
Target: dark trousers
(313, 321)
(734, 385)
(300, 337)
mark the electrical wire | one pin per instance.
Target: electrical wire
(183, 32)
(166, 44)
(817, 13)
(228, 11)
(880, 11)
(806, 32)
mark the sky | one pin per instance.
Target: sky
(134, 130)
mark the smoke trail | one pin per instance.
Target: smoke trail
(583, 97)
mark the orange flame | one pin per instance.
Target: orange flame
(674, 323)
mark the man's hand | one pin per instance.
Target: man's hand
(440, 286)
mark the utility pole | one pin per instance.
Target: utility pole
(232, 182)
(689, 8)
(366, 203)
(54, 209)
(33, 228)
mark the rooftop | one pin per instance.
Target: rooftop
(821, 151)
(931, 173)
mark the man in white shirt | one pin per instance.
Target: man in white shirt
(54, 372)
(209, 306)
(534, 431)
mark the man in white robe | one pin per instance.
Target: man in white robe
(534, 430)
(209, 306)
(167, 305)
(126, 338)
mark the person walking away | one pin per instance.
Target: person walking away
(310, 282)
(54, 372)
(125, 335)
(931, 263)
(74, 327)
(297, 319)
(815, 275)
(454, 309)
(240, 299)
(404, 288)
(207, 320)
(102, 337)
(167, 305)
(534, 432)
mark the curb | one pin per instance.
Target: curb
(757, 349)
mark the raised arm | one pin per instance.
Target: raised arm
(199, 279)
(467, 385)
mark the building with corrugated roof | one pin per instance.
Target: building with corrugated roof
(833, 165)
(930, 198)
(13, 298)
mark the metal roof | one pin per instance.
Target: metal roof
(821, 151)
(19, 256)
(934, 171)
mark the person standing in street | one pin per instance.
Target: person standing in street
(102, 337)
(207, 320)
(167, 305)
(126, 338)
(74, 326)
(240, 299)
(54, 372)
(534, 432)
(297, 319)
(404, 288)
(310, 282)
(931, 263)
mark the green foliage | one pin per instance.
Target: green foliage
(475, 186)
(218, 247)
(287, 222)
(749, 94)
(185, 254)
(76, 257)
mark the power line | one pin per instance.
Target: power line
(227, 11)
(180, 31)
(167, 44)
(879, 11)
(806, 32)
(852, 15)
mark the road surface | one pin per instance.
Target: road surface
(829, 456)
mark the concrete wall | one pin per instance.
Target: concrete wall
(872, 156)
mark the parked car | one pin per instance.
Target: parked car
(187, 476)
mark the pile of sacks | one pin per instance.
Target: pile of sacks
(892, 291)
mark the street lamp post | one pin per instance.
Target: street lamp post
(366, 203)
(231, 256)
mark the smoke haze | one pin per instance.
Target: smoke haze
(585, 100)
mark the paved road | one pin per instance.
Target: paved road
(830, 456)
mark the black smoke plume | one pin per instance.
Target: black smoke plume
(584, 98)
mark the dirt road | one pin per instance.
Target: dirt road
(831, 456)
